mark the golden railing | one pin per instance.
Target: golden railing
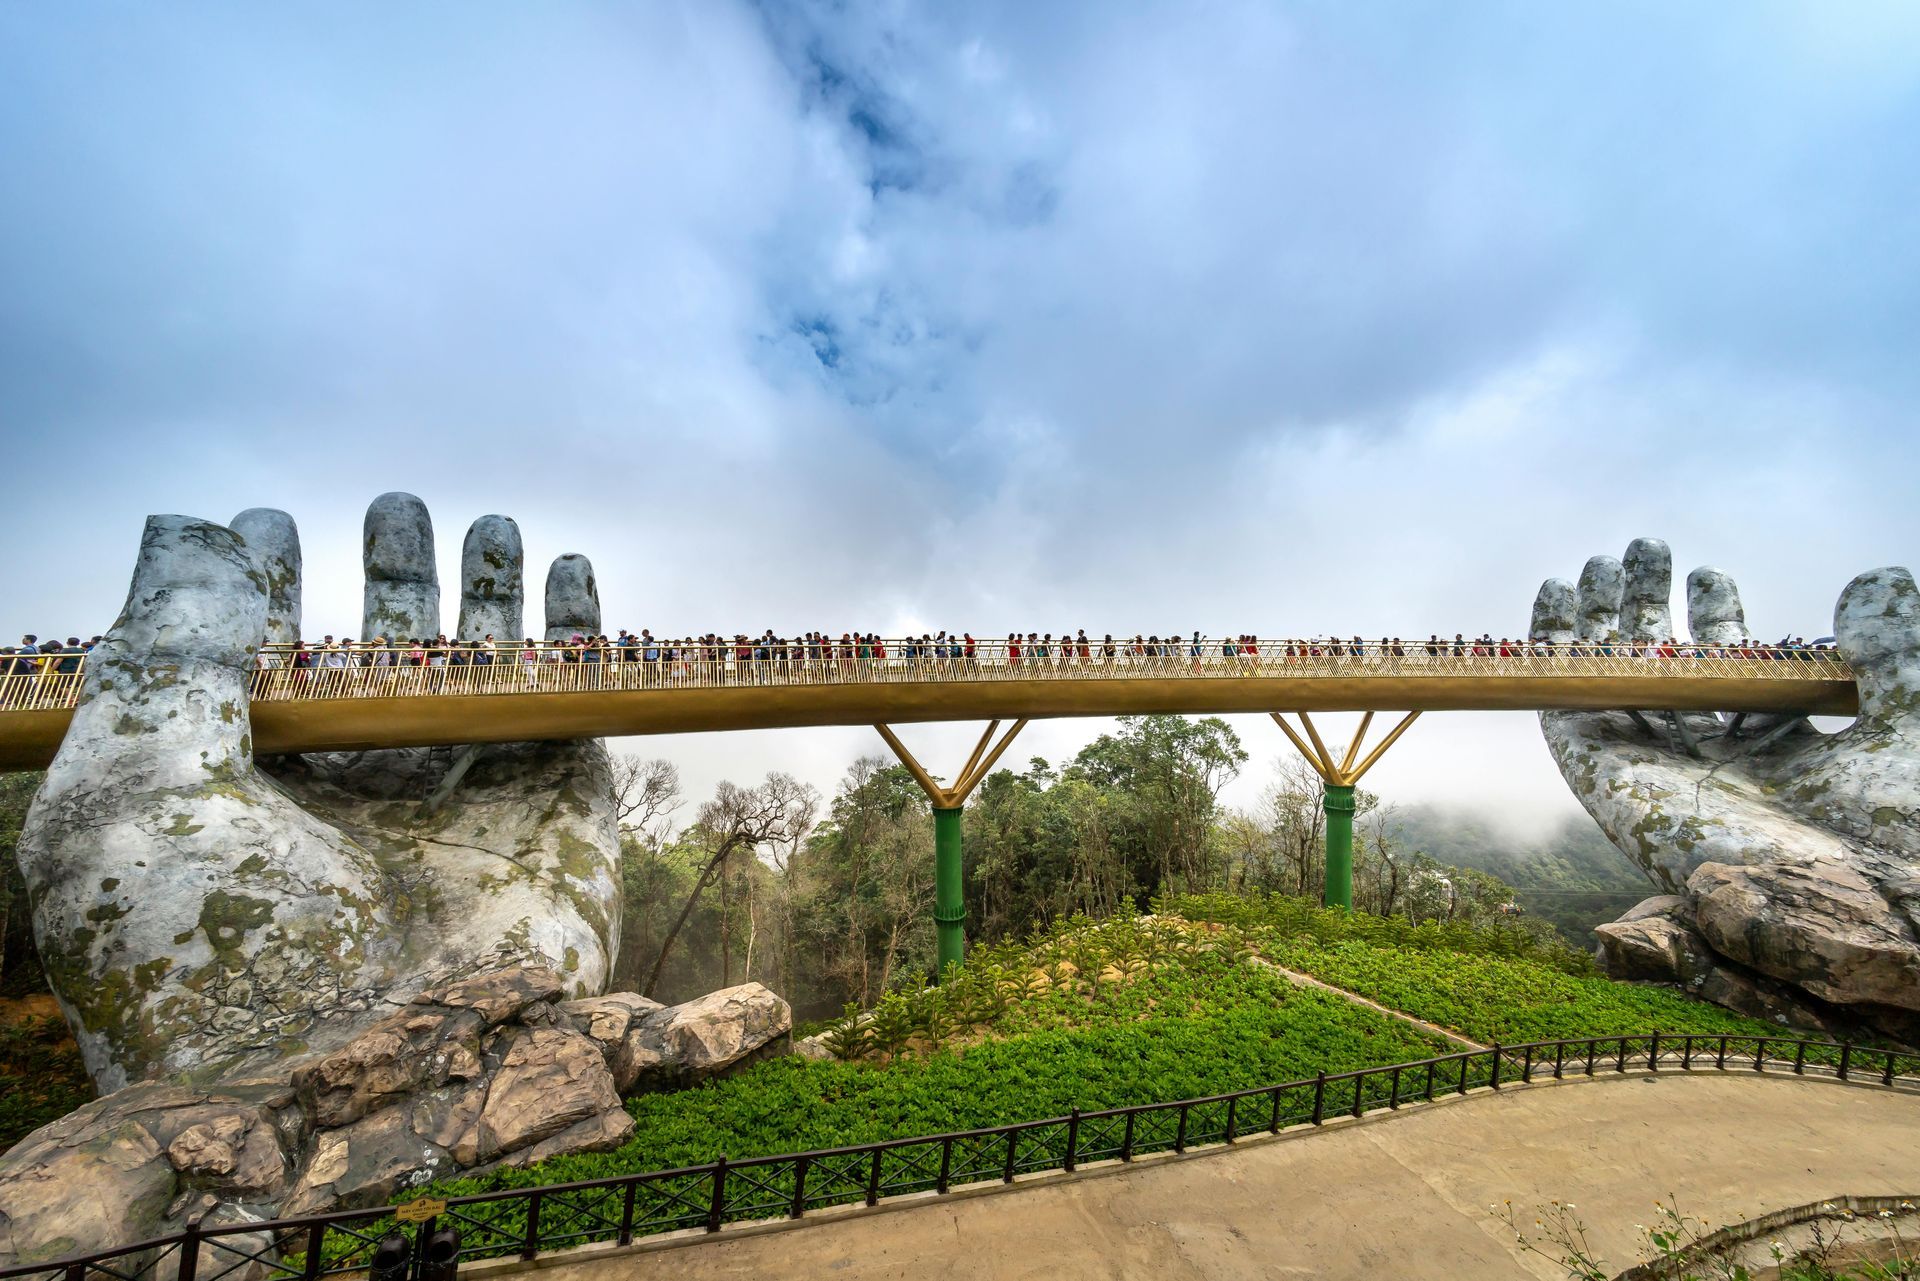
(282, 674)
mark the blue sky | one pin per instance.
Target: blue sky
(1133, 316)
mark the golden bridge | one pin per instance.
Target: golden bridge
(364, 698)
(380, 699)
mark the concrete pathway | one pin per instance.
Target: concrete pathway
(1298, 979)
(1395, 1196)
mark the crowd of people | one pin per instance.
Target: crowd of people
(715, 654)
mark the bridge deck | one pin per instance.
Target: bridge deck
(359, 708)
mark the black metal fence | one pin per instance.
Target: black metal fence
(530, 1221)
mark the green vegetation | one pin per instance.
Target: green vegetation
(1136, 1010)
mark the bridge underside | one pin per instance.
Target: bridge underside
(28, 739)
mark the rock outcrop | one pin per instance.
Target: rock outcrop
(203, 914)
(1791, 858)
(496, 1070)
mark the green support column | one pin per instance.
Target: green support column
(949, 900)
(1338, 803)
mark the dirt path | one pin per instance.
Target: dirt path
(1404, 1195)
(1307, 980)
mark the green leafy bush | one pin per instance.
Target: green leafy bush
(1494, 998)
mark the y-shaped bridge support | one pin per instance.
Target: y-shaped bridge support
(1338, 798)
(949, 901)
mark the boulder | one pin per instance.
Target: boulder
(1822, 927)
(111, 1173)
(366, 1163)
(707, 1037)
(549, 1079)
(485, 1073)
(421, 1046)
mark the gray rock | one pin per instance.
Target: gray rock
(1714, 613)
(1602, 582)
(573, 599)
(273, 541)
(492, 599)
(110, 1173)
(489, 1072)
(711, 1036)
(1646, 599)
(402, 599)
(1796, 853)
(202, 916)
(549, 1079)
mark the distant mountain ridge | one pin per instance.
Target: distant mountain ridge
(1570, 876)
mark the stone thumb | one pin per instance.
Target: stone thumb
(169, 680)
(1877, 626)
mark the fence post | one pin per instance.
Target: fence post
(1126, 1140)
(1760, 1044)
(1233, 1119)
(873, 1178)
(1559, 1057)
(1273, 1125)
(799, 1206)
(1359, 1090)
(946, 1165)
(1720, 1059)
(1429, 1091)
(1006, 1171)
(190, 1250)
(1846, 1056)
(1180, 1135)
(316, 1239)
(1653, 1051)
(716, 1208)
(1320, 1097)
(1462, 1089)
(1496, 1065)
(1526, 1068)
(1073, 1136)
(626, 1211)
(1886, 1078)
(1620, 1063)
(1800, 1058)
(1393, 1095)
(530, 1244)
(1593, 1048)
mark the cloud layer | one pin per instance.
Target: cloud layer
(1226, 315)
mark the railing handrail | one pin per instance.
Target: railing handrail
(39, 683)
(1656, 1050)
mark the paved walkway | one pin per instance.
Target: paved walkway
(1396, 1197)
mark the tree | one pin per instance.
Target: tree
(19, 961)
(737, 819)
(1165, 774)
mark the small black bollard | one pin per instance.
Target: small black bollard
(390, 1258)
(440, 1256)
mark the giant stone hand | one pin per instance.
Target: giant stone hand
(1791, 857)
(202, 913)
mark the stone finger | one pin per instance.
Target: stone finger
(402, 599)
(492, 598)
(573, 598)
(1598, 606)
(168, 683)
(1646, 599)
(1553, 612)
(1714, 613)
(1877, 627)
(273, 540)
